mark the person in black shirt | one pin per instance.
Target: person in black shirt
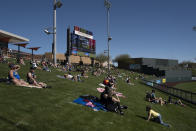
(31, 79)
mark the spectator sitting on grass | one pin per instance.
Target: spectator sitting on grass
(34, 64)
(104, 95)
(83, 74)
(155, 116)
(106, 81)
(113, 103)
(128, 81)
(178, 102)
(22, 61)
(148, 96)
(14, 77)
(31, 79)
(154, 99)
(46, 68)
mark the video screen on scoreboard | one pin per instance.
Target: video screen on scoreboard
(83, 44)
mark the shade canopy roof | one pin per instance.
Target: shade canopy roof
(7, 37)
(21, 44)
(34, 48)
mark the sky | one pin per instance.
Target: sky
(140, 28)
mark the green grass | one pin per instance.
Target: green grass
(194, 72)
(52, 109)
(189, 86)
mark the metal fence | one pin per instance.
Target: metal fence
(179, 93)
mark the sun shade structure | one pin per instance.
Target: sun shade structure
(20, 45)
(33, 49)
(7, 37)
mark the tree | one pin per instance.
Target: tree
(101, 58)
(122, 57)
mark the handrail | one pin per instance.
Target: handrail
(179, 93)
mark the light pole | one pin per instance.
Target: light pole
(108, 5)
(56, 5)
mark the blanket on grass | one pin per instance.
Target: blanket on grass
(59, 76)
(89, 102)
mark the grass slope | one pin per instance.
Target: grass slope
(52, 109)
(189, 86)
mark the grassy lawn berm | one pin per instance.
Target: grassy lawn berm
(53, 110)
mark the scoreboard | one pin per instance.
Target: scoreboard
(82, 41)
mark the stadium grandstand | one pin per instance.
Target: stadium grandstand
(166, 68)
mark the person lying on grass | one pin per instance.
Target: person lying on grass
(155, 116)
(76, 78)
(178, 102)
(31, 79)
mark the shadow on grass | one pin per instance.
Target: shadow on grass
(3, 80)
(142, 117)
(22, 128)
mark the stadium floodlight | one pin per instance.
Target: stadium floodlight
(109, 38)
(108, 6)
(47, 32)
(58, 4)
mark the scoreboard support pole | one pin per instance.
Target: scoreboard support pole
(68, 45)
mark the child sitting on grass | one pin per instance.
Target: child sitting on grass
(155, 116)
(31, 79)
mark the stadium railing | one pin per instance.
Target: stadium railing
(187, 96)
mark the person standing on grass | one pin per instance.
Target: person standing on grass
(155, 115)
